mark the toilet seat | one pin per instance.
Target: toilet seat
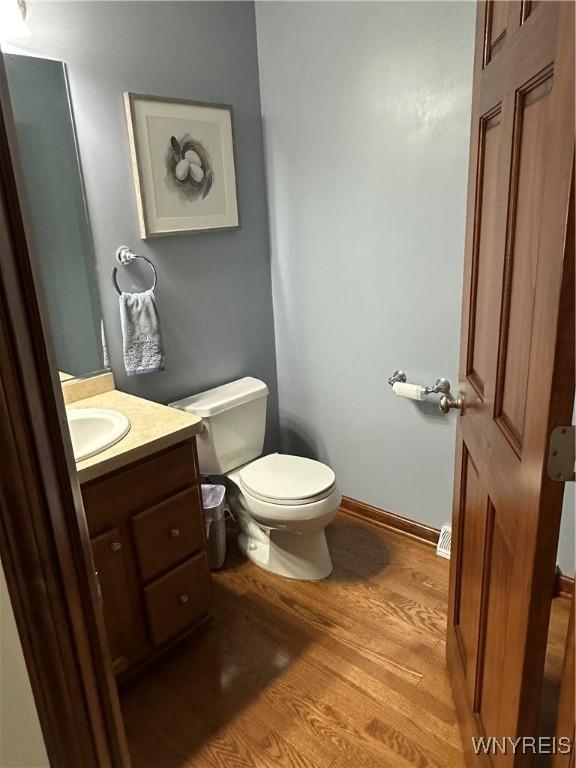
(308, 515)
(287, 480)
(288, 502)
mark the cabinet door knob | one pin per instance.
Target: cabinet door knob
(116, 546)
(183, 599)
(174, 532)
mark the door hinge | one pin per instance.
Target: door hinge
(562, 454)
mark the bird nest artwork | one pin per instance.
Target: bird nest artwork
(189, 169)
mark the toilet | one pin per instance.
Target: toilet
(283, 503)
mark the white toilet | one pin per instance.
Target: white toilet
(283, 503)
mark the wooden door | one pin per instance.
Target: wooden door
(516, 368)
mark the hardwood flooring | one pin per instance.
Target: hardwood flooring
(553, 672)
(346, 673)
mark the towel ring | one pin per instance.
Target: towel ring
(125, 256)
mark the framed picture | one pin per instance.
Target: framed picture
(183, 165)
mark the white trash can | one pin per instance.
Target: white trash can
(215, 508)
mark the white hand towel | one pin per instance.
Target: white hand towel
(141, 336)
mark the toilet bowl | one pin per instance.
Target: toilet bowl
(283, 503)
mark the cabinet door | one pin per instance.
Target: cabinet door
(109, 554)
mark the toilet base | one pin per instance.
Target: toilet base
(292, 555)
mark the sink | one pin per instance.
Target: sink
(94, 429)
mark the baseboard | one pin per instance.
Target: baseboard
(563, 585)
(385, 519)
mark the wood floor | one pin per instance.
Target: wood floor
(346, 673)
(553, 672)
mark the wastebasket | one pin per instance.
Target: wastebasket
(215, 507)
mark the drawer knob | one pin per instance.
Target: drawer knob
(116, 546)
(174, 532)
(183, 599)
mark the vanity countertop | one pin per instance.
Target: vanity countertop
(153, 427)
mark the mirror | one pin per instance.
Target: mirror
(55, 198)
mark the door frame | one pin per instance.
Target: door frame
(44, 543)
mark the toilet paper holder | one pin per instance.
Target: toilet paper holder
(441, 387)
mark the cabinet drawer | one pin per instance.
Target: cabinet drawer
(168, 532)
(178, 600)
(139, 486)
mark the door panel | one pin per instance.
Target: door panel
(485, 272)
(517, 367)
(489, 702)
(467, 620)
(528, 6)
(528, 166)
(496, 27)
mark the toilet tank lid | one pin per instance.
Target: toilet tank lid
(220, 399)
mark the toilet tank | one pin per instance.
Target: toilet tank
(234, 423)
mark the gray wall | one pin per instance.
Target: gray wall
(366, 130)
(566, 554)
(214, 293)
(53, 184)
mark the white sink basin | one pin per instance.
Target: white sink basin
(94, 429)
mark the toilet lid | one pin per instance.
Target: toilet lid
(284, 478)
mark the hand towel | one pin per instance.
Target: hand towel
(141, 336)
(104, 341)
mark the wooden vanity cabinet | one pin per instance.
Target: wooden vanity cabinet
(149, 546)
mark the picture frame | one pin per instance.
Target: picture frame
(183, 165)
